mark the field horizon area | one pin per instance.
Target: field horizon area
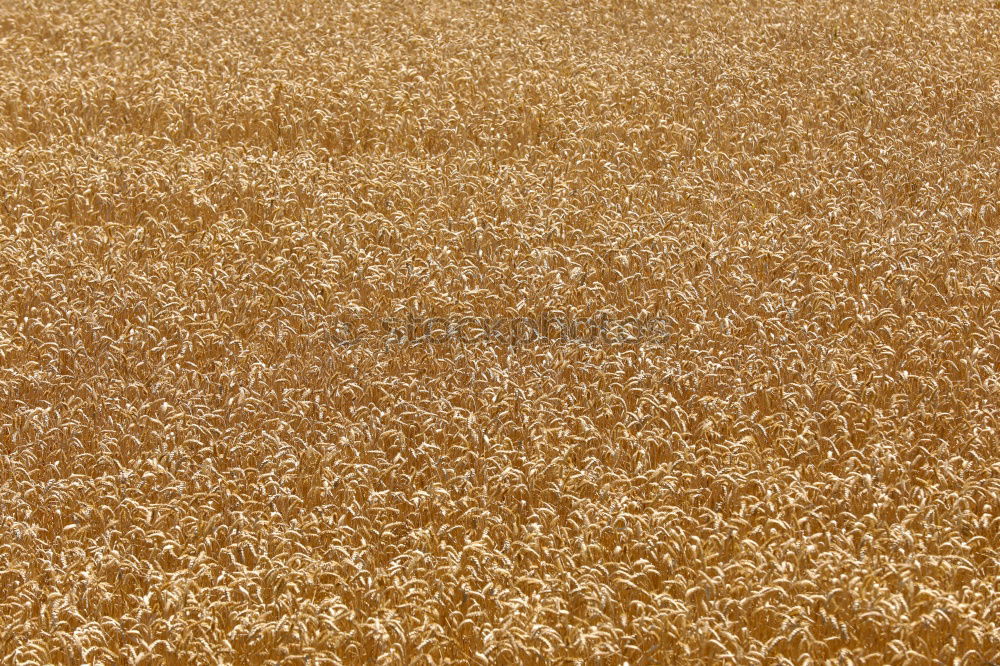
(473, 332)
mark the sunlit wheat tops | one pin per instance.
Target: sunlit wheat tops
(267, 390)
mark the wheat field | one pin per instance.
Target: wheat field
(459, 331)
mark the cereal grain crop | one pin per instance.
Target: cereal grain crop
(468, 331)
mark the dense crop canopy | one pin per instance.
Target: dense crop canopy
(642, 331)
